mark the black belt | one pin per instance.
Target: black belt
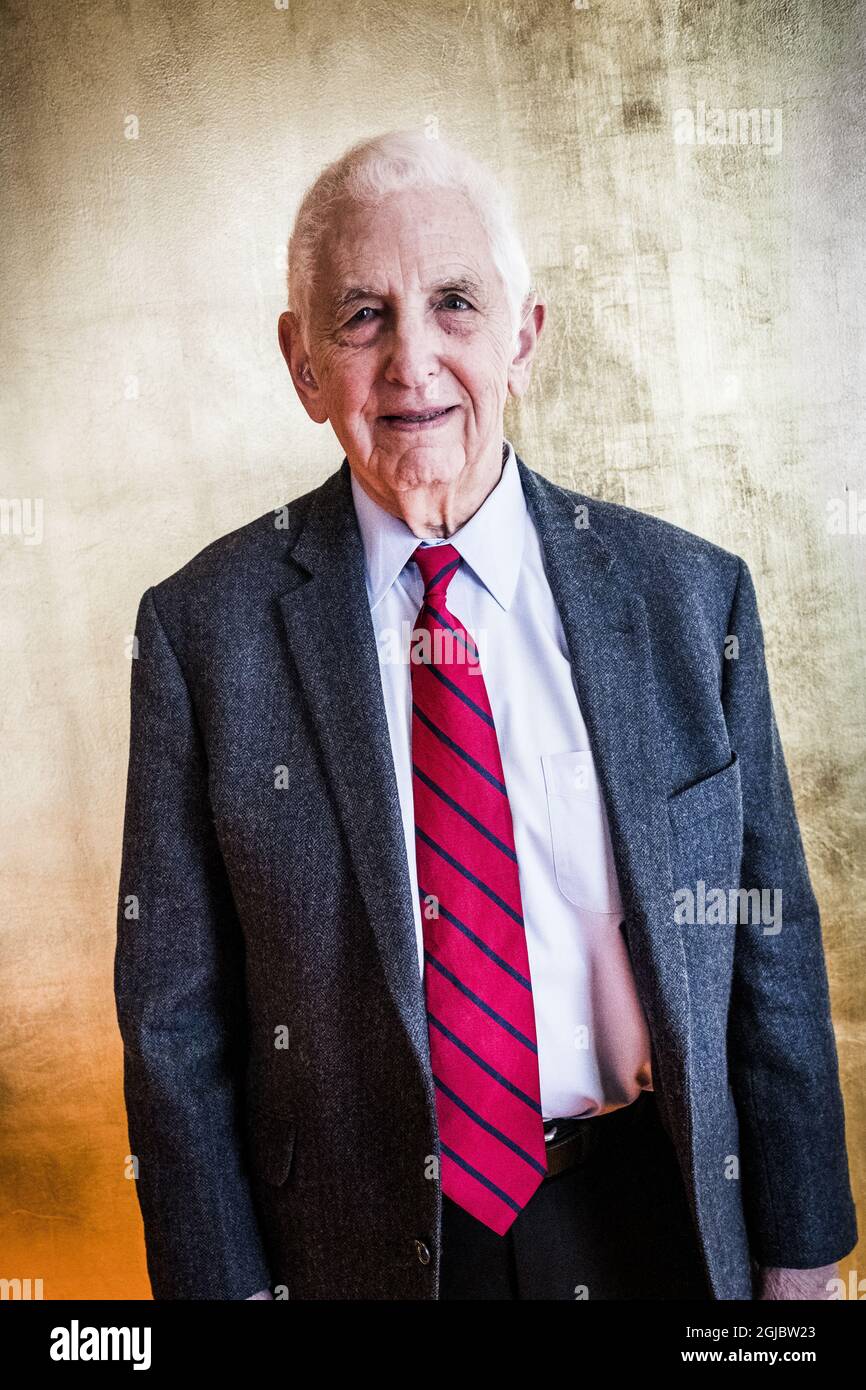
(574, 1140)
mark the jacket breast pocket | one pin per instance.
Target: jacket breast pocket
(580, 837)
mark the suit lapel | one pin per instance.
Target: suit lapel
(333, 645)
(606, 630)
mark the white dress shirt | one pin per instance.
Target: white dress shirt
(593, 1041)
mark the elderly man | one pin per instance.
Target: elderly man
(423, 769)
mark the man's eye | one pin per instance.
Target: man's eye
(459, 298)
(451, 301)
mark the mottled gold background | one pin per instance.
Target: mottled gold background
(704, 361)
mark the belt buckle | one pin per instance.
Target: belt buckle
(563, 1152)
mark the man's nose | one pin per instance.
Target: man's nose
(413, 351)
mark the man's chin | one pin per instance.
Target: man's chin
(419, 465)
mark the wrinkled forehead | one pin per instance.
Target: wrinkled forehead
(417, 238)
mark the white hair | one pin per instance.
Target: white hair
(399, 159)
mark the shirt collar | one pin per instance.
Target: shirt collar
(490, 542)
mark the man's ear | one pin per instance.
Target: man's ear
(520, 366)
(300, 367)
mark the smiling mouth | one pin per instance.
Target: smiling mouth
(419, 416)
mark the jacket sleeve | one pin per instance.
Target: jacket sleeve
(782, 1057)
(179, 987)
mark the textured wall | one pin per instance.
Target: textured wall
(703, 360)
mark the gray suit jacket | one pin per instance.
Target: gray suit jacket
(276, 1063)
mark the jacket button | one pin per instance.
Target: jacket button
(422, 1252)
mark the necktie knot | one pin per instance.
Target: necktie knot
(438, 565)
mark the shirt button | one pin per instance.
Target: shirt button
(422, 1252)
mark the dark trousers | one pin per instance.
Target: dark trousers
(615, 1225)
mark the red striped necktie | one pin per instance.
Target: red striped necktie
(480, 1015)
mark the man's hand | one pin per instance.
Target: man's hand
(796, 1283)
(263, 1293)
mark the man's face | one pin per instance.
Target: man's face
(410, 319)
